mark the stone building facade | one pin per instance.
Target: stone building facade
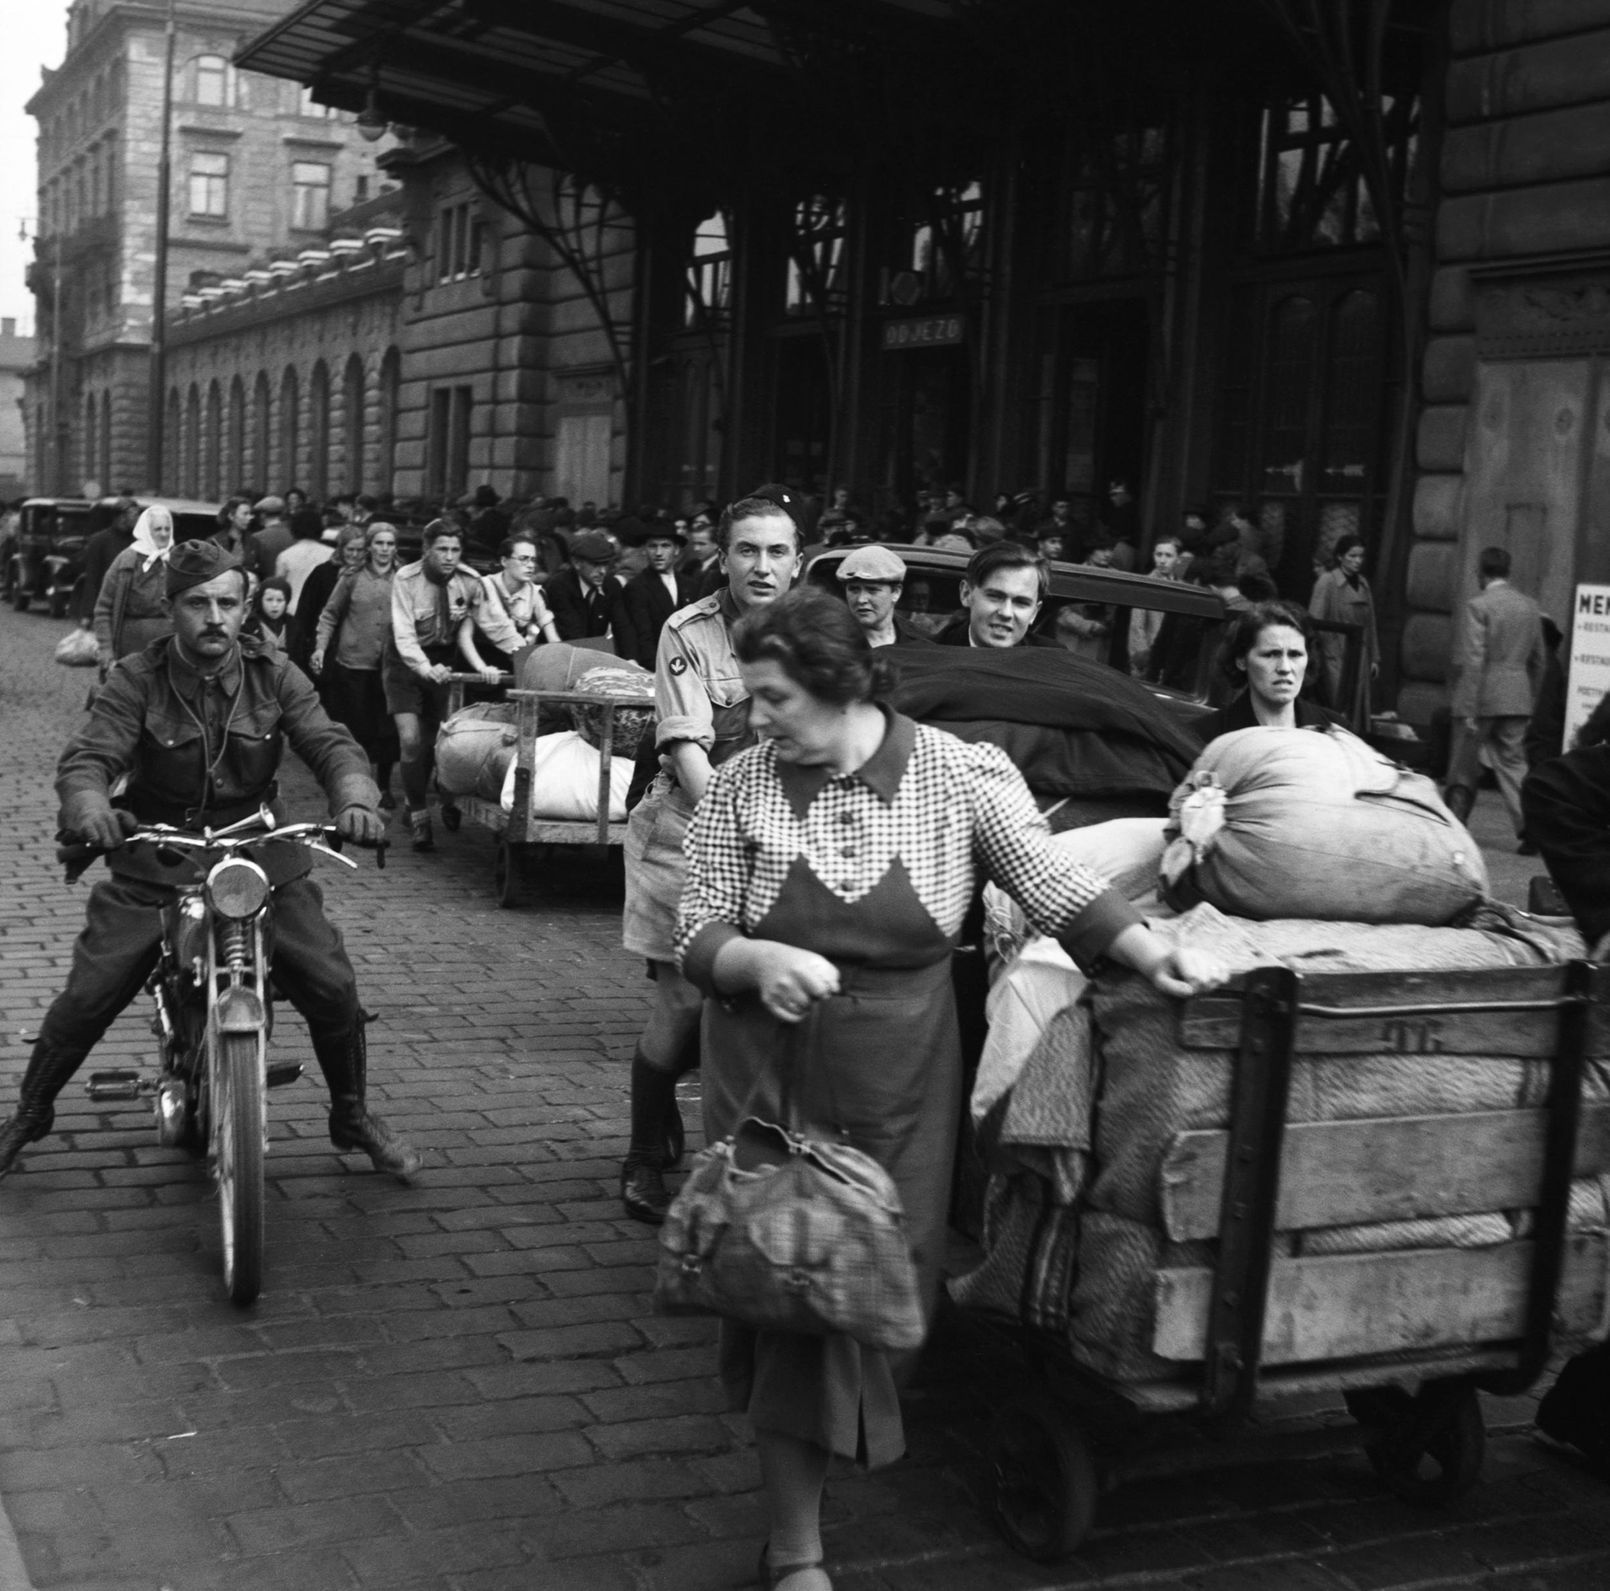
(1513, 447)
(16, 359)
(257, 167)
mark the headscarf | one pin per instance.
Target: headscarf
(145, 542)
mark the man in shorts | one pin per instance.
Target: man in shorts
(703, 712)
(429, 602)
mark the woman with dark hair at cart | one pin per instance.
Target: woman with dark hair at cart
(1266, 654)
(830, 866)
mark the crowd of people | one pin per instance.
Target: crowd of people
(799, 868)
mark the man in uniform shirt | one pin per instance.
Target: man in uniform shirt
(703, 713)
(197, 726)
(429, 602)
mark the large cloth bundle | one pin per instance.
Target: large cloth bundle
(633, 688)
(475, 750)
(1076, 1231)
(564, 780)
(1302, 823)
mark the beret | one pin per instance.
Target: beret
(873, 563)
(594, 546)
(194, 563)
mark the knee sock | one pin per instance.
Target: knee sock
(793, 1472)
(653, 1095)
(416, 781)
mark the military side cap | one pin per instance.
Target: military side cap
(194, 563)
(873, 563)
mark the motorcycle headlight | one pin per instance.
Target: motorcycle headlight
(237, 888)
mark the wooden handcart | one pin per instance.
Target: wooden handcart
(523, 839)
(1408, 1338)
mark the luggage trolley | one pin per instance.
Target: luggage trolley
(1253, 1328)
(522, 837)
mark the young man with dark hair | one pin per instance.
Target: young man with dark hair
(1001, 594)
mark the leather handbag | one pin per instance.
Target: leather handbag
(791, 1232)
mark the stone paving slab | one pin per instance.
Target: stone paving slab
(462, 1385)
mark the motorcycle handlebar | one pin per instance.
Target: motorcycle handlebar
(319, 836)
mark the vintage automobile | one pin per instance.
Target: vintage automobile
(1193, 615)
(47, 562)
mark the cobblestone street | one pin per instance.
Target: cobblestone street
(462, 1385)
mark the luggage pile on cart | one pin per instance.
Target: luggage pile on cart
(1335, 1175)
(547, 767)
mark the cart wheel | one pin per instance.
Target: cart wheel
(1045, 1480)
(508, 876)
(1427, 1449)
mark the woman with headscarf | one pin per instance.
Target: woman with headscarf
(132, 609)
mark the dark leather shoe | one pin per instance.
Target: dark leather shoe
(643, 1193)
(357, 1127)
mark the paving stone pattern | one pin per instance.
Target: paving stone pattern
(462, 1385)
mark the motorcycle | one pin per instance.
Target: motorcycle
(214, 1017)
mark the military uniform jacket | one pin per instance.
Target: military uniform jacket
(699, 693)
(203, 750)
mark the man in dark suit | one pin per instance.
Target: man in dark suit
(651, 596)
(1501, 667)
(1001, 595)
(584, 595)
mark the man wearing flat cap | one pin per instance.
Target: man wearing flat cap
(197, 726)
(873, 578)
(584, 594)
(652, 595)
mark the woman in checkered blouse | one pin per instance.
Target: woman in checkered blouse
(831, 866)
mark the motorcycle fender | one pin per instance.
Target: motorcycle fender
(239, 1011)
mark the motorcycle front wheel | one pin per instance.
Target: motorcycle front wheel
(238, 1132)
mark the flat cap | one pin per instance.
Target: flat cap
(594, 546)
(873, 563)
(194, 563)
(269, 505)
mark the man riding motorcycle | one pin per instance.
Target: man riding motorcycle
(199, 725)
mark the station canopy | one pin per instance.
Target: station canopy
(506, 76)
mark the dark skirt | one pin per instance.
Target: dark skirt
(886, 1073)
(356, 697)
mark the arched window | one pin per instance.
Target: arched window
(190, 484)
(386, 420)
(318, 433)
(262, 435)
(352, 418)
(170, 443)
(235, 452)
(212, 446)
(206, 80)
(290, 430)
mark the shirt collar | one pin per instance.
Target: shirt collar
(881, 773)
(190, 680)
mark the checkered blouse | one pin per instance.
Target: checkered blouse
(946, 807)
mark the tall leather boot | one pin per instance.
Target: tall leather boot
(643, 1189)
(345, 1064)
(48, 1073)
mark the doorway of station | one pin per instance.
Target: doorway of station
(1091, 400)
(926, 418)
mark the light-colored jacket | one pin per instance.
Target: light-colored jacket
(1502, 656)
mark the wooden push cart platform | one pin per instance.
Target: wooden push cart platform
(1408, 1337)
(523, 838)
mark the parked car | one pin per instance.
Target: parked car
(1196, 616)
(48, 560)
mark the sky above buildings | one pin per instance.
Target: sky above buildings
(34, 35)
